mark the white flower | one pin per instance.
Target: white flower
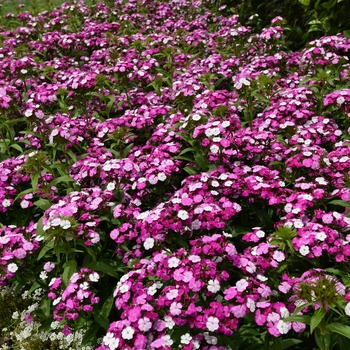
(212, 323)
(186, 338)
(56, 301)
(65, 224)
(279, 256)
(321, 236)
(173, 262)
(12, 267)
(347, 309)
(250, 304)
(84, 286)
(152, 290)
(172, 294)
(148, 243)
(241, 285)
(282, 327)
(28, 113)
(111, 186)
(94, 277)
(43, 275)
(169, 323)
(175, 308)
(183, 215)
(161, 177)
(168, 340)
(213, 286)
(260, 233)
(128, 333)
(6, 203)
(111, 341)
(124, 288)
(194, 258)
(144, 324)
(214, 149)
(304, 250)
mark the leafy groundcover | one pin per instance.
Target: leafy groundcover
(170, 179)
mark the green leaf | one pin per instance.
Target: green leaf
(69, 268)
(201, 161)
(90, 335)
(346, 34)
(127, 150)
(34, 286)
(339, 328)
(29, 190)
(188, 149)
(34, 178)
(17, 147)
(46, 325)
(45, 306)
(39, 227)
(343, 343)
(264, 218)
(100, 266)
(190, 170)
(42, 203)
(287, 343)
(298, 318)
(101, 320)
(340, 203)
(107, 306)
(65, 178)
(323, 341)
(119, 195)
(316, 318)
(47, 247)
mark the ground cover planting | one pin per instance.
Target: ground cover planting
(171, 179)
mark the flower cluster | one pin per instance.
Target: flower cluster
(76, 297)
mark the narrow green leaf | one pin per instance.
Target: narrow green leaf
(45, 306)
(39, 227)
(42, 203)
(46, 326)
(69, 268)
(188, 149)
(339, 328)
(298, 318)
(107, 306)
(316, 318)
(190, 170)
(100, 266)
(127, 150)
(201, 161)
(34, 179)
(34, 286)
(102, 321)
(65, 178)
(89, 335)
(340, 203)
(30, 190)
(47, 247)
(343, 343)
(17, 147)
(346, 34)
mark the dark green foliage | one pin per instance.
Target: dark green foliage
(305, 19)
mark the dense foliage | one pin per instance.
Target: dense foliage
(172, 179)
(305, 20)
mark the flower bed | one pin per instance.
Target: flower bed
(170, 179)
